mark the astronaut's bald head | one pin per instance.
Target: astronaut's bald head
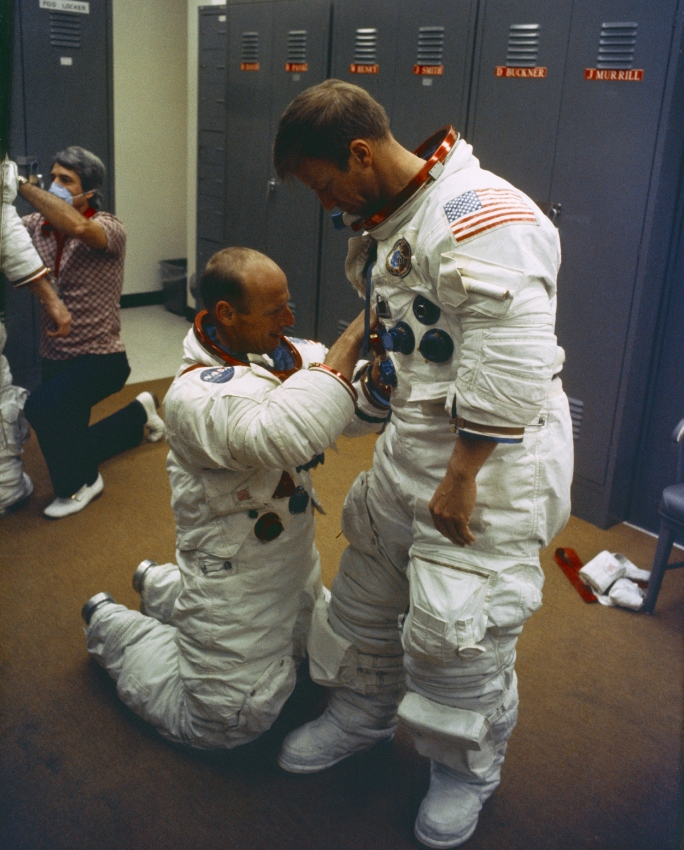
(235, 275)
(248, 300)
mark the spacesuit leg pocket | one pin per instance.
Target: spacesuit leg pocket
(268, 695)
(448, 611)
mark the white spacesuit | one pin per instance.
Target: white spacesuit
(213, 659)
(20, 263)
(470, 358)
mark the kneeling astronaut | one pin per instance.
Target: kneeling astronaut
(213, 658)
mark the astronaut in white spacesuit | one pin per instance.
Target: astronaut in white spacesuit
(471, 476)
(213, 658)
(22, 266)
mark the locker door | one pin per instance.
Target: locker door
(604, 161)
(21, 310)
(432, 74)
(211, 127)
(300, 60)
(364, 40)
(517, 90)
(66, 80)
(250, 70)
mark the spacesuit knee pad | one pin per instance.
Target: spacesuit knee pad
(334, 661)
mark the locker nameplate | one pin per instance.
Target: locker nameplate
(356, 68)
(634, 75)
(538, 73)
(249, 66)
(297, 67)
(65, 6)
(429, 70)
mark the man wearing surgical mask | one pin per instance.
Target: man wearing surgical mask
(85, 248)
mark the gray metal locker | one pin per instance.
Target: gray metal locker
(274, 50)
(211, 131)
(571, 102)
(613, 178)
(398, 47)
(514, 119)
(293, 214)
(61, 95)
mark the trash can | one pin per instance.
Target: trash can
(174, 275)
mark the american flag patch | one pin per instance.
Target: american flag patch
(475, 212)
(242, 495)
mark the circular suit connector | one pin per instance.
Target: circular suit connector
(400, 339)
(436, 346)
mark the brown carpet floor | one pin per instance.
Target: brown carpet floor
(593, 763)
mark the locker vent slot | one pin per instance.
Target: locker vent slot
(249, 47)
(576, 413)
(366, 46)
(523, 45)
(430, 46)
(616, 45)
(296, 47)
(342, 327)
(65, 30)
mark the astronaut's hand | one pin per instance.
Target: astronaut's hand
(452, 506)
(454, 500)
(345, 352)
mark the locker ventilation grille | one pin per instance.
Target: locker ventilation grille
(342, 327)
(430, 46)
(523, 45)
(366, 46)
(249, 47)
(576, 413)
(616, 45)
(65, 30)
(296, 47)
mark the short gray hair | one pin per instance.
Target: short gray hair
(89, 168)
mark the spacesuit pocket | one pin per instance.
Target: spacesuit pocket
(267, 696)
(356, 521)
(448, 611)
(517, 595)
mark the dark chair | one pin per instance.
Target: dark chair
(671, 512)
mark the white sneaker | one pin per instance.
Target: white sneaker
(63, 507)
(321, 744)
(154, 424)
(449, 813)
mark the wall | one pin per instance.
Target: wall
(150, 41)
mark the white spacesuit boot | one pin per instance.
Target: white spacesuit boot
(449, 813)
(352, 723)
(158, 586)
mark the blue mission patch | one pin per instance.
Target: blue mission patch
(218, 375)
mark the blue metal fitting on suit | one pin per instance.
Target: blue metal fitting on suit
(338, 221)
(436, 346)
(400, 339)
(388, 374)
(298, 501)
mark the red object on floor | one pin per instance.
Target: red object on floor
(568, 560)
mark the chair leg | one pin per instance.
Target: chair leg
(666, 538)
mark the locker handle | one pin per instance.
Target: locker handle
(271, 186)
(554, 213)
(551, 211)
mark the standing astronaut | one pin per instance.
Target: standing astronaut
(471, 476)
(213, 658)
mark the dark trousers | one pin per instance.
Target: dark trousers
(59, 413)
